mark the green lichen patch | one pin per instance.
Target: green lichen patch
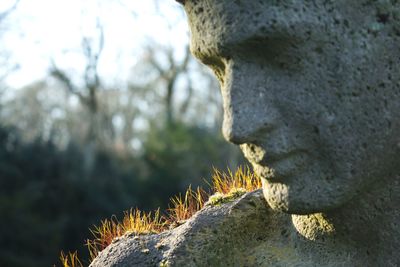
(219, 198)
(164, 263)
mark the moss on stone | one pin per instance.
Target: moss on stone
(164, 264)
(219, 198)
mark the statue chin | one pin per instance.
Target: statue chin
(302, 200)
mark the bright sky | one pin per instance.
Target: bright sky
(41, 30)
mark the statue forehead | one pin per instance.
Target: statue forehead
(217, 24)
(220, 26)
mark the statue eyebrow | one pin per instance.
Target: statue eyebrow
(270, 44)
(212, 57)
(257, 39)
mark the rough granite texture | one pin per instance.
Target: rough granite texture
(232, 234)
(311, 93)
(244, 232)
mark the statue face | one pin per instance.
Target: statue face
(311, 92)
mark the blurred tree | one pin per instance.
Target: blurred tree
(28, 111)
(185, 155)
(98, 123)
(168, 74)
(82, 151)
(5, 13)
(6, 67)
(44, 203)
(88, 94)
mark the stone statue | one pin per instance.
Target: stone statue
(311, 93)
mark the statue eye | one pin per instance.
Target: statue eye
(276, 52)
(265, 48)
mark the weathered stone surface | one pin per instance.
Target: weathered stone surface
(311, 93)
(231, 234)
(246, 232)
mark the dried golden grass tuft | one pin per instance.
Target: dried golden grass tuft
(243, 178)
(70, 259)
(181, 208)
(134, 221)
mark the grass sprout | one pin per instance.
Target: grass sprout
(224, 187)
(70, 259)
(242, 178)
(183, 208)
(134, 221)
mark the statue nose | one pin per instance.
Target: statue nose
(249, 112)
(245, 124)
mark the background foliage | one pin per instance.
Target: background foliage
(76, 148)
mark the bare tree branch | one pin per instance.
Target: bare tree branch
(154, 63)
(184, 107)
(132, 12)
(92, 54)
(92, 48)
(183, 66)
(4, 14)
(62, 77)
(169, 75)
